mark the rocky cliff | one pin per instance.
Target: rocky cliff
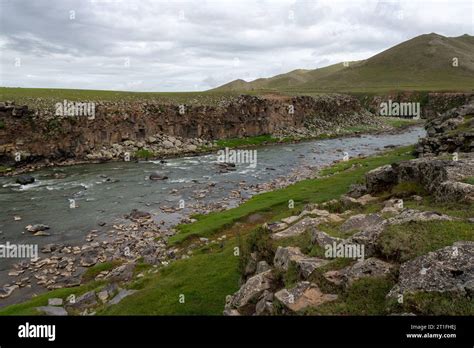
(40, 134)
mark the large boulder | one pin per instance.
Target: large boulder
(52, 310)
(322, 238)
(361, 221)
(412, 215)
(245, 299)
(305, 265)
(449, 269)
(371, 267)
(302, 296)
(298, 228)
(25, 179)
(381, 179)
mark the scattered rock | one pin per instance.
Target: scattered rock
(249, 293)
(7, 290)
(25, 179)
(361, 221)
(55, 301)
(84, 301)
(157, 176)
(36, 228)
(371, 267)
(412, 215)
(137, 215)
(322, 238)
(122, 273)
(449, 269)
(298, 228)
(381, 179)
(121, 295)
(52, 310)
(304, 295)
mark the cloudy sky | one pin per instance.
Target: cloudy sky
(157, 45)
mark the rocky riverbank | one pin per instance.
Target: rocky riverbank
(290, 271)
(139, 129)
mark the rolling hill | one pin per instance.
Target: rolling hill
(422, 63)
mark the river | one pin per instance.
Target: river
(104, 193)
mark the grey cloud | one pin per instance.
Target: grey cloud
(192, 44)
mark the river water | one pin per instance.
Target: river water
(103, 193)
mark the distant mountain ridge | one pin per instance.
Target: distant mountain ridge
(424, 62)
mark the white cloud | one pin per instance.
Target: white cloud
(191, 45)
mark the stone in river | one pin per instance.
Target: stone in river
(157, 176)
(36, 228)
(25, 179)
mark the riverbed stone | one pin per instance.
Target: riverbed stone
(25, 179)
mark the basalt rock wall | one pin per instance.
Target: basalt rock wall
(38, 134)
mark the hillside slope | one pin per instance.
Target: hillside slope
(424, 62)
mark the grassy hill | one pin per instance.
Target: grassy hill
(422, 63)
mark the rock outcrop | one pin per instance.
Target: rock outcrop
(120, 127)
(449, 269)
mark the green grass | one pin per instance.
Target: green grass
(93, 271)
(398, 122)
(28, 307)
(247, 141)
(407, 241)
(365, 297)
(2, 124)
(204, 280)
(4, 169)
(433, 303)
(303, 192)
(144, 154)
(469, 180)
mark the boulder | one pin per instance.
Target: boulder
(7, 290)
(322, 238)
(37, 228)
(157, 176)
(381, 179)
(55, 301)
(52, 310)
(251, 291)
(122, 273)
(412, 215)
(449, 269)
(371, 267)
(191, 148)
(361, 221)
(368, 237)
(84, 301)
(121, 295)
(89, 257)
(262, 266)
(285, 255)
(137, 215)
(167, 144)
(305, 265)
(265, 305)
(303, 296)
(298, 228)
(25, 179)
(357, 191)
